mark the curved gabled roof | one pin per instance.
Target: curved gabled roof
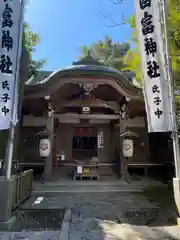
(84, 71)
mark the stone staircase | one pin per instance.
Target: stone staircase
(56, 188)
(62, 183)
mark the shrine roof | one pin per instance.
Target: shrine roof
(48, 79)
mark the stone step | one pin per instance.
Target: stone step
(87, 183)
(59, 191)
(55, 188)
(79, 186)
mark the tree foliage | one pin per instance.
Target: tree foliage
(30, 41)
(106, 52)
(132, 59)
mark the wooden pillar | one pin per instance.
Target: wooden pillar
(122, 158)
(49, 160)
(123, 116)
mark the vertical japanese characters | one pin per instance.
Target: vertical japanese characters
(5, 59)
(150, 47)
(154, 69)
(9, 38)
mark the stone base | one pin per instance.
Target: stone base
(176, 187)
(6, 226)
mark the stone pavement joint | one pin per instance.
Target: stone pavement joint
(65, 228)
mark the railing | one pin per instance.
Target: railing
(23, 187)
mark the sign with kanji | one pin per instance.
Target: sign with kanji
(153, 65)
(10, 15)
(100, 139)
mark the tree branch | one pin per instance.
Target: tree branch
(114, 24)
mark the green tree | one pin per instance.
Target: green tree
(106, 52)
(132, 58)
(30, 41)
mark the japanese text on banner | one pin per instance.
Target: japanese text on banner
(151, 51)
(9, 37)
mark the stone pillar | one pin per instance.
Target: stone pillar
(49, 160)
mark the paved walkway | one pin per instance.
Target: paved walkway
(101, 215)
(110, 215)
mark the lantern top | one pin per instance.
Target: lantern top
(129, 134)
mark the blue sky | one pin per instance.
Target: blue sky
(65, 25)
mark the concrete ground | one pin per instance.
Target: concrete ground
(104, 215)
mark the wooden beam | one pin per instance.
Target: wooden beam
(32, 121)
(85, 116)
(88, 103)
(94, 103)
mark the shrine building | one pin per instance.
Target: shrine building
(86, 110)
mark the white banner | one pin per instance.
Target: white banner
(154, 74)
(10, 14)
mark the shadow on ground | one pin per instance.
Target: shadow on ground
(163, 198)
(38, 220)
(158, 223)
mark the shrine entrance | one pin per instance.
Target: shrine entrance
(85, 109)
(84, 146)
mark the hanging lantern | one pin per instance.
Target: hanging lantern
(44, 143)
(44, 147)
(128, 148)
